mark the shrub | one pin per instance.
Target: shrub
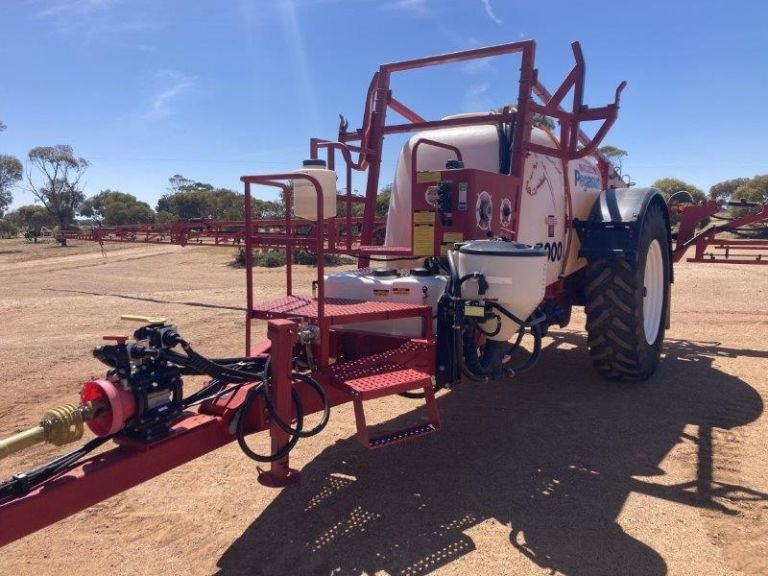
(274, 258)
(269, 258)
(8, 229)
(310, 259)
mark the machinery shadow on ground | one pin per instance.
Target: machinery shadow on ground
(149, 299)
(553, 455)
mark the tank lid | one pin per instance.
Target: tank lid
(379, 272)
(454, 164)
(501, 248)
(314, 162)
(421, 272)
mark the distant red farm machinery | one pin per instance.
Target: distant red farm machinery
(737, 239)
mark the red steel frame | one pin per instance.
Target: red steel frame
(380, 98)
(708, 238)
(222, 233)
(130, 463)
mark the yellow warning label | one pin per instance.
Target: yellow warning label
(380, 293)
(475, 311)
(449, 239)
(423, 239)
(423, 217)
(401, 291)
(424, 177)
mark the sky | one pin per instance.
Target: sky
(214, 89)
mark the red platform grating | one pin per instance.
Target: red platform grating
(387, 361)
(337, 310)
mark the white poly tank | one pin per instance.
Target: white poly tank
(516, 276)
(305, 195)
(382, 285)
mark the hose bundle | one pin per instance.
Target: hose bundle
(228, 375)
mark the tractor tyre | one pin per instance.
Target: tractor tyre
(627, 305)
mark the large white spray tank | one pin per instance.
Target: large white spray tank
(543, 207)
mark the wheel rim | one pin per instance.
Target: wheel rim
(653, 301)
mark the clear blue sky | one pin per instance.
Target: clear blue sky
(215, 89)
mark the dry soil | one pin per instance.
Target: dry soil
(555, 472)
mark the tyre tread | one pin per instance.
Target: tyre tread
(613, 291)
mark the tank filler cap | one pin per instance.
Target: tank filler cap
(384, 272)
(314, 162)
(454, 165)
(502, 248)
(422, 272)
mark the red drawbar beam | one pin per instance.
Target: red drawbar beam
(102, 476)
(130, 464)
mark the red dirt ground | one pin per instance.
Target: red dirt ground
(556, 472)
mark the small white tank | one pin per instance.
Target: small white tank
(418, 287)
(305, 195)
(516, 276)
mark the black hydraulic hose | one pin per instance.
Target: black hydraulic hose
(481, 368)
(508, 314)
(205, 366)
(492, 332)
(520, 334)
(536, 332)
(534, 356)
(242, 415)
(457, 338)
(240, 360)
(286, 427)
(473, 276)
(212, 388)
(489, 363)
(294, 433)
(233, 375)
(211, 392)
(187, 369)
(20, 484)
(453, 275)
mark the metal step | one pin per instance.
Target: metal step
(403, 435)
(387, 383)
(394, 380)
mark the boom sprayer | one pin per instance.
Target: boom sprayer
(497, 227)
